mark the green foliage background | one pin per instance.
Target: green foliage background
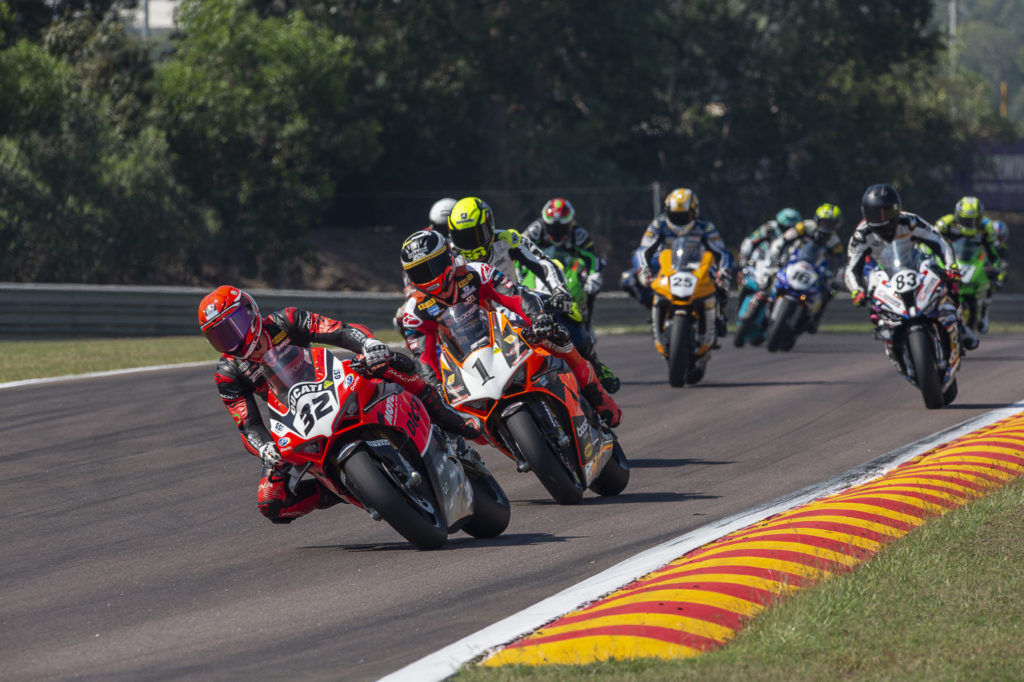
(211, 154)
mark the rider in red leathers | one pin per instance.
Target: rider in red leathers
(428, 262)
(231, 322)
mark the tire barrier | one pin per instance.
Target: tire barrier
(699, 601)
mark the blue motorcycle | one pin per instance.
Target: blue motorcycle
(799, 293)
(755, 285)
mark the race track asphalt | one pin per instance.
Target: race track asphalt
(133, 549)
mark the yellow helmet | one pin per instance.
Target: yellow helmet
(968, 216)
(681, 209)
(471, 227)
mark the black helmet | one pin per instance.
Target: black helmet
(427, 261)
(880, 207)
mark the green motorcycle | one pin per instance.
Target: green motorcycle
(575, 270)
(975, 284)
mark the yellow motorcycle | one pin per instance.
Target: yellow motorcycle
(685, 309)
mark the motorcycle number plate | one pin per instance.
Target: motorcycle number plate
(905, 280)
(800, 275)
(682, 284)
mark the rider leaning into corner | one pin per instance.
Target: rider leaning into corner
(231, 322)
(441, 283)
(822, 230)
(679, 220)
(557, 226)
(883, 221)
(475, 240)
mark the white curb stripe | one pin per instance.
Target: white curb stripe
(447, 661)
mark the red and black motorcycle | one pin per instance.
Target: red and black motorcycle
(372, 444)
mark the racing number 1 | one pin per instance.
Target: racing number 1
(482, 371)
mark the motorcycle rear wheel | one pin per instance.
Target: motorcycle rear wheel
(543, 460)
(919, 345)
(615, 475)
(491, 510)
(780, 335)
(680, 349)
(374, 488)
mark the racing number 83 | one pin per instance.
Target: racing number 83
(905, 281)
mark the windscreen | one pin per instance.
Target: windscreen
(286, 365)
(686, 253)
(900, 254)
(966, 249)
(463, 328)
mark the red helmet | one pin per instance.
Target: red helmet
(559, 219)
(230, 321)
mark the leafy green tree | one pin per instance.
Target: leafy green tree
(257, 112)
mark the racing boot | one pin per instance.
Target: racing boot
(280, 505)
(447, 418)
(983, 317)
(967, 337)
(591, 388)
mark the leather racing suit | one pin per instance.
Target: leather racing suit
(239, 381)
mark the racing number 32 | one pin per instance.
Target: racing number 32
(323, 408)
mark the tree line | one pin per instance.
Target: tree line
(210, 154)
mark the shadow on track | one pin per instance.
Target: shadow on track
(652, 463)
(454, 542)
(643, 498)
(978, 406)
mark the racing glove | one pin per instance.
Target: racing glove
(859, 298)
(376, 356)
(593, 284)
(269, 455)
(543, 325)
(560, 301)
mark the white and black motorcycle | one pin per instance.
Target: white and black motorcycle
(917, 321)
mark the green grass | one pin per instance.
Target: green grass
(37, 359)
(943, 603)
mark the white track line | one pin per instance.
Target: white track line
(447, 661)
(131, 370)
(109, 373)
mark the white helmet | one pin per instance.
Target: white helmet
(439, 213)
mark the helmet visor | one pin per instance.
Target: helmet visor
(681, 218)
(230, 333)
(472, 238)
(558, 232)
(880, 216)
(429, 269)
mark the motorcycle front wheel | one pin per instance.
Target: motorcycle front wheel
(919, 345)
(781, 332)
(491, 511)
(376, 489)
(749, 319)
(680, 349)
(542, 458)
(615, 476)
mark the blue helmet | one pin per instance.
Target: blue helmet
(787, 218)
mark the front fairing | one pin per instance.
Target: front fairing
(684, 276)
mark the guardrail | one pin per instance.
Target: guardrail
(55, 311)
